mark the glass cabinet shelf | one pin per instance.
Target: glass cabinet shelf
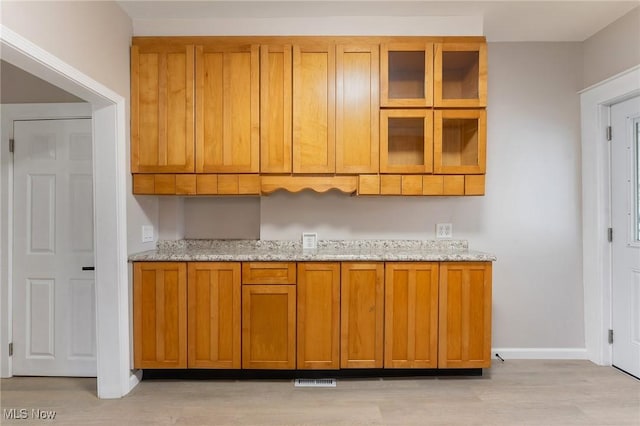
(406, 75)
(459, 141)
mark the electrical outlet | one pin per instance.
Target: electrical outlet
(309, 241)
(444, 231)
(147, 233)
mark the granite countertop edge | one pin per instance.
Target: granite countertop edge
(328, 250)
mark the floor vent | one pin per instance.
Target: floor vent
(315, 383)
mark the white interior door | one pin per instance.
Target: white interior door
(625, 221)
(54, 316)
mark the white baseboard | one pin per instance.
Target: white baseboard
(134, 379)
(540, 353)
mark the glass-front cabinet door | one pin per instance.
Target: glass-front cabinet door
(460, 75)
(406, 75)
(459, 141)
(406, 141)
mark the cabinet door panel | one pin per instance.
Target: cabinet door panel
(460, 141)
(357, 109)
(275, 109)
(406, 141)
(314, 109)
(411, 315)
(162, 96)
(460, 75)
(319, 316)
(465, 315)
(362, 314)
(406, 74)
(160, 314)
(214, 315)
(227, 109)
(269, 326)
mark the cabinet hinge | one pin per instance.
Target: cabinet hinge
(610, 235)
(11, 145)
(610, 337)
(609, 132)
(11, 349)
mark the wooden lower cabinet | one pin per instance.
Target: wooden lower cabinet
(362, 315)
(312, 315)
(318, 316)
(269, 327)
(214, 315)
(160, 314)
(465, 315)
(411, 315)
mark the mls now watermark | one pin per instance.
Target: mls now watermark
(28, 414)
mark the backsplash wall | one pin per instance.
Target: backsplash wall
(530, 217)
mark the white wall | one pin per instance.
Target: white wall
(612, 50)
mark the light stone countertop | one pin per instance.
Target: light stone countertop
(328, 250)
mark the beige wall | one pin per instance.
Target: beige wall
(20, 87)
(612, 50)
(94, 37)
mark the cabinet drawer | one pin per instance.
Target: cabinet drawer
(268, 273)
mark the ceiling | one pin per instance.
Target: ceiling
(501, 20)
(19, 87)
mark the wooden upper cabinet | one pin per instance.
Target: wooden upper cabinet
(460, 140)
(162, 102)
(227, 109)
(314, 104)
(318, 315)
(411, 315)
(160, 314)
(275, 109)
(460, 75)
(465, 315)
(406, 141)
(357, 108)
(214, 315)
(362, 315)
(406, 74)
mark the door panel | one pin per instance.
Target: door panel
(53, 298)
(227, 109)
(411, 315)
(465, 315)
(269, 326)
(214, 315)
(160, 315)
(362, 315)
(275, 109)
(357, 109)
(162, 102)
(314, 104)
(318, 315)
(625, 221)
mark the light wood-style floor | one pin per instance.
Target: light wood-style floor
(515, 392)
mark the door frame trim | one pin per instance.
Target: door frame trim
(115, 377)
(595, 103)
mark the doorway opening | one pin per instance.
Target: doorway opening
(624, 149)
(595, 105)
(114, 375)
